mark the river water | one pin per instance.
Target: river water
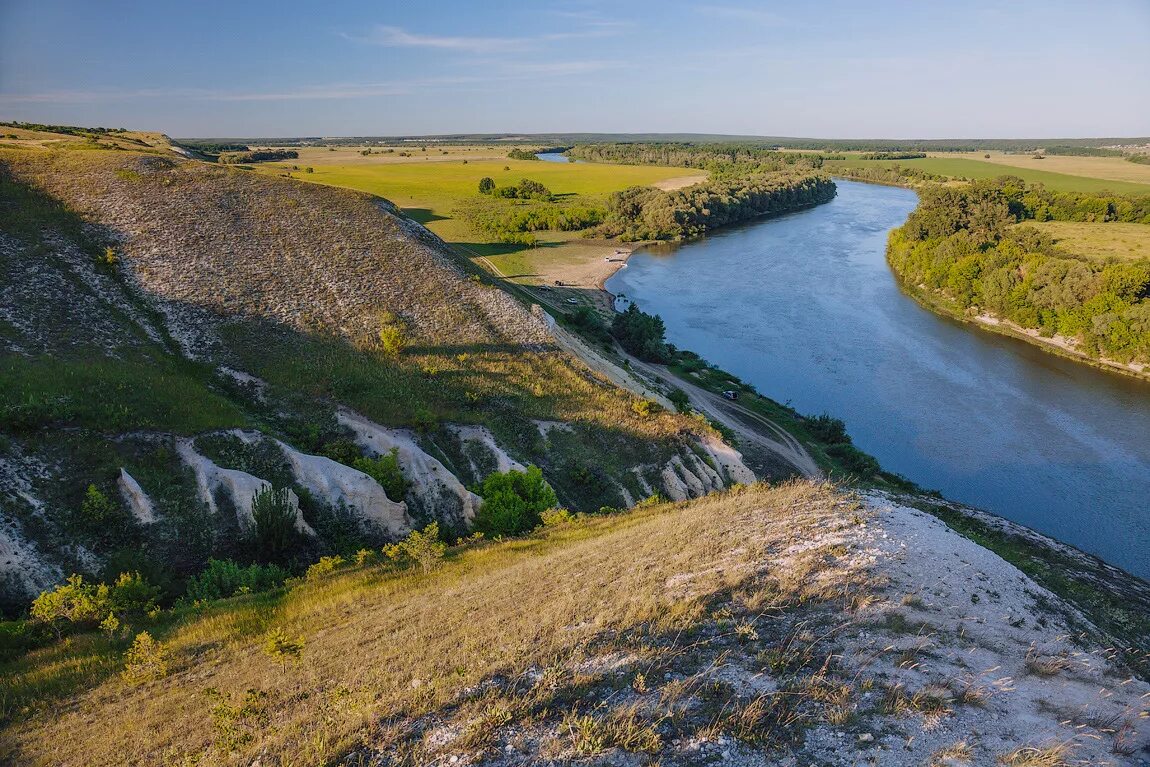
(805, 307)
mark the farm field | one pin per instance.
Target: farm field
(1110, 168)
(1111, 241)
(966, 167)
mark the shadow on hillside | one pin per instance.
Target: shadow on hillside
(423, 215)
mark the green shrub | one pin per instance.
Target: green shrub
(344, 451)
(385, 470)
(324, 567)
(828, 429)
(76, 602)
(854, 460)
(97, 511)
(641, 334)
(132, 596)
(645, 408)
(422, 548)
(224, 578)
(557, 516)
(513, 502)
(146, 660)
(680, 400)
(391, 340)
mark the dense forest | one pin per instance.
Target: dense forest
(646, 213)
(963, 244)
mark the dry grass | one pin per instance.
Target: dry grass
(957, 753)
(1112, 241)
(387, 649)
(1057, 755)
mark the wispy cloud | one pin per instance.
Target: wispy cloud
(397, 37)
(750, 15)
(495, 71)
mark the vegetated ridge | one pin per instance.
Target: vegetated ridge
(179, 337)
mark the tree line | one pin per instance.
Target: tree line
(892, 156)
(963, 244)
(259, 155)
(712, 157)
(647, 213)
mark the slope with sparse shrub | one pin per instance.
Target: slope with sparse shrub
(794, 624)
(179, 335)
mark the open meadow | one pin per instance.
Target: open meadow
(1112, 241)
(1070, 176)
(1108, 168)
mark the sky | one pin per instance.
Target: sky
(835, 69)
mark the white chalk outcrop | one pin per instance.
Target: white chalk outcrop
(23, 571)
(240, 486)
(137, 500)
(482, 436)
(435, 491)
(729, 460)
(337, 484)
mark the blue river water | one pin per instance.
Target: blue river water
(805, 307)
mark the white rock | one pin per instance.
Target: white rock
(437, 491)
(482, 435)
(138, 501)
(240, 486)
(336, 484)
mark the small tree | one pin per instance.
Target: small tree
(486, 185)
(282, 648)
(274, 516)
(145, 660)
(324, 567)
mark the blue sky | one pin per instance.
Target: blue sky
(830, 69)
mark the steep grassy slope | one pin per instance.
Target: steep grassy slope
(759, 626)
(149, 298)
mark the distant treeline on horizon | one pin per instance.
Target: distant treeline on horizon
(1063, 145)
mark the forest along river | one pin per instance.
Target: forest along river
(805, 307)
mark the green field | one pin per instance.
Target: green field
(974, 169)
(429, 191)
(1106, 242)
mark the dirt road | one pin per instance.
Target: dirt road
(766, 433)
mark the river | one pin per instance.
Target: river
(805, 307)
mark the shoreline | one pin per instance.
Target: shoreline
(993, 324)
